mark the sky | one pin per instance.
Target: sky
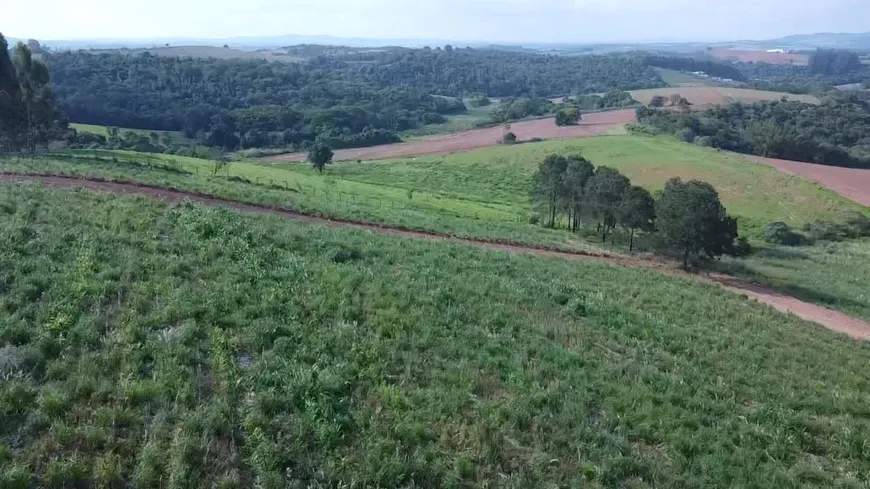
(512, 21)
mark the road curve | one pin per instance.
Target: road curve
(823, 316)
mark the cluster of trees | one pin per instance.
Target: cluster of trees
(687, 218)
(613, 99)
(803, 79)
(28, 117)
(512, 109)
(238, 103)
(709, 67)
(673, 100)
(834, 62)
(836, 132)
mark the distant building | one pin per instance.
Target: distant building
(779, 51)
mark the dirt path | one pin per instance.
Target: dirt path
(594, 124)
(828, 318)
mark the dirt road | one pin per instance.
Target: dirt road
(828, 318)
(592, 125)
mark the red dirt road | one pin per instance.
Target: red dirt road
(828, 318)
(592, 125)
(851, 183)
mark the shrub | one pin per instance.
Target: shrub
(480, 101)
(567, 117)
(858, 225)
(780, 233)
(686, 134)
(827, 231)
(509, 138)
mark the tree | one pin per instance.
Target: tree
(547, 185)
(509, 138)
(568, 117)
(692, 220)
(604, 193)
(36, 97)
(320, 155)
(577, 174)
(657, 101)
(636, 211)
(12, 119)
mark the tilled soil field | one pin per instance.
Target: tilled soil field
(592, 125)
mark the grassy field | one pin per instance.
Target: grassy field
(302, 189)
(757, 194)
(836, 275)
(456, 123)
(711, 95)
(484, 193)
(104, 131)
(189, 347)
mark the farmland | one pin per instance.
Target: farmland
(382, 357)
(761, 56)
(501, 175)
(592, 125)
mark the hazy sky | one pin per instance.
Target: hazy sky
(495, 20)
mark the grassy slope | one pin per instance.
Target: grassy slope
(457, 123)
(305, 190)
(501, 175)
(836, 275)
(104, 131)
(188, 347)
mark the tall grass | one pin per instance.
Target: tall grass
(149, 345)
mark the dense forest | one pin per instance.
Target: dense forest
(348, 100)
(837, 132)
(234, 103)
(457, 72)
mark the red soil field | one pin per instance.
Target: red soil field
(592, 125)
(851, 183)
(747, 56)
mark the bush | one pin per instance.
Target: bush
(686, 134)
(827, 231)
(567, 117)
(858, 225)
(509, 138)
(480, 101)
(780, 233)
(742, 248)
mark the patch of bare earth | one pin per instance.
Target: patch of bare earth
(828, 318)
(592, 125)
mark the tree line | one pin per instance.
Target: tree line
(687, 218)
(709, 67)
(836, 132)
(28, 117)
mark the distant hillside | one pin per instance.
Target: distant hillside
(220, 53)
